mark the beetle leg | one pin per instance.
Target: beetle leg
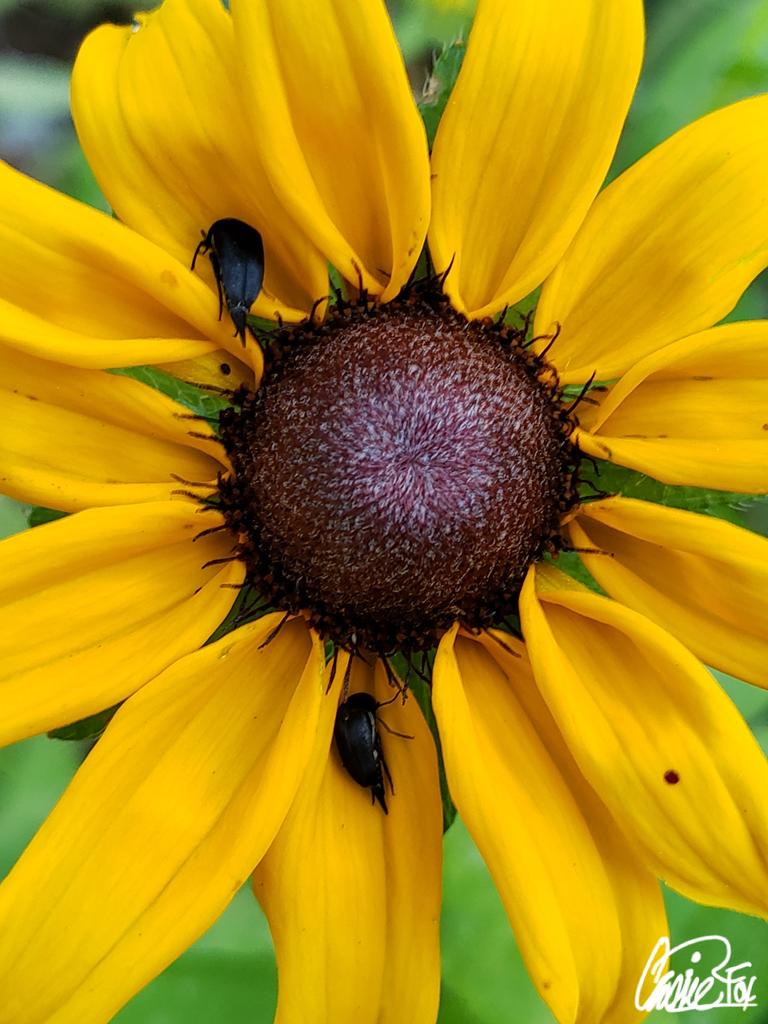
(217, 274)
(402, 735)
(378, 795)
(202, 246)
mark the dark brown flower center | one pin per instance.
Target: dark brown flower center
(396, 472)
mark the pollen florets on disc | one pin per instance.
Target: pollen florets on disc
(398, 469)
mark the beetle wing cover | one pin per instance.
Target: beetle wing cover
(356, 741)
(240, 250)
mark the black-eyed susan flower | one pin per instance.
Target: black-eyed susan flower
(391, 481)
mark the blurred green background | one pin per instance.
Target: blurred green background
(701, 54)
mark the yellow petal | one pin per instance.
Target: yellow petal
(39, 337)
(94, 280)
(526, 140)
(695, 412)
(666, 250)
(96, 604)
(160, 827)
(657, 738)
(343, 145)
(345, 884)
(704, 580)
(585, 911)
(218, 369)
(412, 838)
(71, 438)
(165, 126)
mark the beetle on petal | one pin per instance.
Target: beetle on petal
(236, 252)
(359, 745)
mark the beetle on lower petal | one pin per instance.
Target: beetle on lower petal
(359, 744)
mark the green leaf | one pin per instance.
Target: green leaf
(38, 516)
(439, 85)
(747, 938)
(248, 607)
(32, 88)
(453, 1009)
(86, 728)
(207, 988)
(481, 966)
(569, 562)
(13, 516)
(746, 510)
(422, 25)
(423, 695)
(33, 775)
(337, 283)
(618, 480)
(198, 401)
(700, 56)
(70, 172)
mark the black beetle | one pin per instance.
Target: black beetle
(359, 744)
(236, 252)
